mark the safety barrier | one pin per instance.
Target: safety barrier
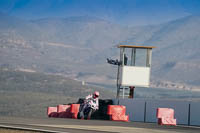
(74, 110)
(64, 111)
(165, 116)
(117, 113)
(52, 112)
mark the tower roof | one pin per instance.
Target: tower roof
(133, 46)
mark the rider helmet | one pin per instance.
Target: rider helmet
(96, 94)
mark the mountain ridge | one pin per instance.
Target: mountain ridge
(71, 47)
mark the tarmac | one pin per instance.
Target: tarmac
(66, 125)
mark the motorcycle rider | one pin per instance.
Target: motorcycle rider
(90, 105)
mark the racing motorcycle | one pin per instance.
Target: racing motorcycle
(87, 109)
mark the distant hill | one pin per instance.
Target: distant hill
(28, 94)
(69, 46)
(82, 32)
(77, 47)
(178, 44)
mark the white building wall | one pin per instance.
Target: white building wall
(135, 76)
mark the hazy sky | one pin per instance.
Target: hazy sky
(126, 12)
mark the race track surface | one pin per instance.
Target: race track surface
(63, 125)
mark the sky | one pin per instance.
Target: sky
(125, 12)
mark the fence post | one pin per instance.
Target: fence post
(189, 115)
(145, 104)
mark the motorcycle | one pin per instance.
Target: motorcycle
(87, 109)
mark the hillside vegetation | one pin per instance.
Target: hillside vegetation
(28, 94)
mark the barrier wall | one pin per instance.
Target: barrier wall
(144, 110)
(195, 113)
(180, 108)
(134, 108)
